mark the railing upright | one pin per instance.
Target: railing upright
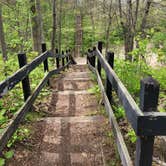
(63, 59)
(67, 57)
(46, 69)
(22, 59)
(108, 86)
(100, 47)
(57, 58)
(149, 93)
(94, 57)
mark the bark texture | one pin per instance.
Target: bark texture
(2, 37)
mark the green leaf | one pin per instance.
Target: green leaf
(2, 162)
(1, 131)
(9, 154)
(9, 144)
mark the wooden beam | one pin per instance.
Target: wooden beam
(22, 73)
(19, 116)
(124, 154)
(152, 124)
(131, 108)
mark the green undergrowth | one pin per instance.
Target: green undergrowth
(111, 140)
(24, 131)
(13, 100)
(131, 74)
(21, 134)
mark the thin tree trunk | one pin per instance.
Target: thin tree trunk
(36, 32)
(60, 26)
(144, 20)
(109, 26)
(128, 29)
(2, 37)
(40, 20)
(53, 27)
(91, 3)
(143, 25)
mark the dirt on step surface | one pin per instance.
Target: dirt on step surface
(67, 141)
(73, 103)
(74, 133)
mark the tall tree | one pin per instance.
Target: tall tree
(144, 19)
(128, 23)
(53, 27)
(40, 20)
(36, 25)
(110, 17)
(2, 37)
(60, 26)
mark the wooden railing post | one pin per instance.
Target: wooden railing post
(69, 51)
(88, 59)
(46, 61)
(46, 69)
(67, 57)
(89, 56)
(108, 86)
(57, 58)
(63, 59)
(100, 47)
(94, 57)
(148, 103)
(22, 59)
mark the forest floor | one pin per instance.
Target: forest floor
(73, 130)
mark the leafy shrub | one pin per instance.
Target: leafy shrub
(94, 89)
(19, 135)
(132, 136)
(119, 113)
(131, 74)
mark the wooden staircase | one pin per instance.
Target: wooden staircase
(74, 133)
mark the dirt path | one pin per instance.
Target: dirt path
(74, 133)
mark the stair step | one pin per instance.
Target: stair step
(68, 92)
(71, 84)
(73, 103)
(79, 68)
(78, 75)
(66, 141)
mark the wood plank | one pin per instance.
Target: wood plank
(152, 124)
(22, 73)
(124, 154)
(131, 108)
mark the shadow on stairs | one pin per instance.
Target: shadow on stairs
(74, 133)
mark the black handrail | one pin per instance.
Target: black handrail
(145, 123)
(20, 75)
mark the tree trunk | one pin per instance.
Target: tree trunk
(91, 3)
(36, 31)
(2, 38)
(128, 27)
(129, 45)
(60, 26)
(144, 20)
(53, 27)
(143, 25)
(109, 26)
(40, 20)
